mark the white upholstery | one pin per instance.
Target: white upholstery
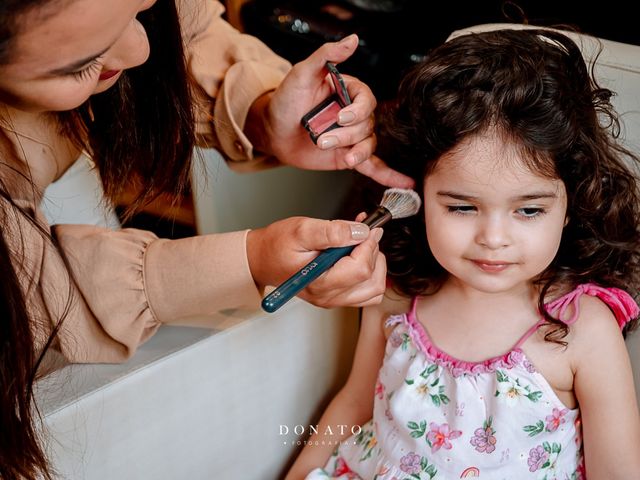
(201, 404)
(77, 197)
(226, 201)
(617, 68)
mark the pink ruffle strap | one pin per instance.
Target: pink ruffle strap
(620, 302)
(457, 367)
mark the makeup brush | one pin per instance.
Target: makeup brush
(396, 203)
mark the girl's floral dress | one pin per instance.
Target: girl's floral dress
(436, 417)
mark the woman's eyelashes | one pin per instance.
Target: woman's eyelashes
(89, 71)
(527, 213)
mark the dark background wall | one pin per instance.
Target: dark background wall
(395, 34)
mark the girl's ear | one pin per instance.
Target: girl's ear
(566, 221)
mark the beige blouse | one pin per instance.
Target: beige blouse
(119, 286)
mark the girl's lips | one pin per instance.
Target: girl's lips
(108, 74)
(491, 266)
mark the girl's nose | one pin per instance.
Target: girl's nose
(493, 233)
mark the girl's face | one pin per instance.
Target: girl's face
(492, 223)
(67, 51)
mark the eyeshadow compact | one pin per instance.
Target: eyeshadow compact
(324, 116)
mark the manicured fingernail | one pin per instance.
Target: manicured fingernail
(377, 234)
(359, 231)
(352, 159)
(328, 142)
(347, 39)
(345, 118)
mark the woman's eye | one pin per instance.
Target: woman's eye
(89, 71)
(461, 209)
(530, 212)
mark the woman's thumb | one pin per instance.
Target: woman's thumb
(335, 52)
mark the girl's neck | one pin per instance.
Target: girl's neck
(470, 299)
(474, 325)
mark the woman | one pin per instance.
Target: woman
(109, 79)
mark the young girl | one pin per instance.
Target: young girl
(502, 356)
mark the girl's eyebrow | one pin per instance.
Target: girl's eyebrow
(535, 196)
(528, 196)
(72, 67)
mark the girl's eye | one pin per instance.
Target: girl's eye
(89, 71)
(461, 209)
(531, 212)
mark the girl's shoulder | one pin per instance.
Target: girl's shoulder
(395, 303)
(594, 317)
(392, 304)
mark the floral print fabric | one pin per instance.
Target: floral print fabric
(436, 417)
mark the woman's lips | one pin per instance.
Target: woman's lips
(492, 266)
(108, 74)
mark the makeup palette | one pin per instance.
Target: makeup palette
(324, 116)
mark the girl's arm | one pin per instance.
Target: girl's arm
(354, 403)
(604, 388)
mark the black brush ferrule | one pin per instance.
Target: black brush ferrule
(379, 217)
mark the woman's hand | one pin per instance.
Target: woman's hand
(279, 250)
(274, 121)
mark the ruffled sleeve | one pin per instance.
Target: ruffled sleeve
(231, 70)
(51, 294)
(129, 282)
(113, 289)
(107, 269)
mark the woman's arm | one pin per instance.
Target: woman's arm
(124, 284)
(249, 101)
(231, 70)
(604, 388)
(354, 403)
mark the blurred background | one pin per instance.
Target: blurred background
(394, 35)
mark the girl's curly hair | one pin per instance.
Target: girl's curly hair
(532, 87)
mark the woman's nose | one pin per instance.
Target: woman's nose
(493, 232)
(130, 50)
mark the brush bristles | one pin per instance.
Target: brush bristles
(401, 202)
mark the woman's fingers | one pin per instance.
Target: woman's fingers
(278, 251)
(355, 280)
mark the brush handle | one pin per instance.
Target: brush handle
(303, 277)
(316, 267)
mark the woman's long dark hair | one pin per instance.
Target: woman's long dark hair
(142, 129)
(534, 89)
